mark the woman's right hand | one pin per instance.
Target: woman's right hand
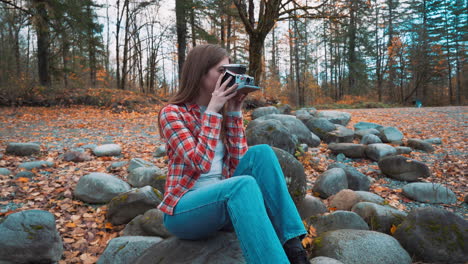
(221, 94)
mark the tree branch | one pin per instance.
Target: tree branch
(17, 7)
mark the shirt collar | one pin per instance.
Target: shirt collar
(192, 106)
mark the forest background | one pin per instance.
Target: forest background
(301, 52)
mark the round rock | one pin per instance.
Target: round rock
(262, 111)
(126, 249)
(348, 149)
(107, 150)
(22, 149)
(311, 206)
(99, 187)
(379, 217)
(403, 169)
(294, 174)
(337, 220)
(379, 150)
(360, 246)
(331, 182)
(271, 132)
(428, 192)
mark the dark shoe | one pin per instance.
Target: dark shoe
(295, 251)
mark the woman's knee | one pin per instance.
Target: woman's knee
(244, 182)
(261, 149)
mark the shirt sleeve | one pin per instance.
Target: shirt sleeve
(195, 152)
(236, 140)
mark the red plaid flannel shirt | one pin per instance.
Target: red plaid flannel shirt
(191, 141)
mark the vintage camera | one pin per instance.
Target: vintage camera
(246, 83)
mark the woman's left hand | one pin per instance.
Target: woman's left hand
(235, 103)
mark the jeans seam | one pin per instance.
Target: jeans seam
(293, 235)
(233, 220)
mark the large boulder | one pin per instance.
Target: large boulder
(107, 150)
(284, 109)
(379, 150)
(366, 125)
(271, 132)
(143, 176)
(30, 237)
(340, 135)
(262, 111)
(428, 192)
(403, 169)
(99, 187)
(360, 247)
(320, 126)
(337, 220)
(331, 182)
(296, 127)
(324, 260)
(356, 180)
(222, 248)
(124, 207)
(126, 249)
(336, 117)
(22, 149)
(434, 235)
(420, 145)
(348, 149)
(294, 174)
(311, 206)
(379, 217)
(363, 132)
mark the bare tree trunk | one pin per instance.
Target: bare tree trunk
(42, 28)
(181, 27)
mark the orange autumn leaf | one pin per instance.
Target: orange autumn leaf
(22, 179)
(71, 225)
(332, 209)
(393, 229)
(109, 225)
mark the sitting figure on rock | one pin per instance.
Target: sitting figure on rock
(214, 181)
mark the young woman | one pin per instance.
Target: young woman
(213, 180)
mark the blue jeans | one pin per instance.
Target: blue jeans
(255, 201)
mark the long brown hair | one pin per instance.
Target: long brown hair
(199, 61)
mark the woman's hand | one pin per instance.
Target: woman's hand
(221, 95)
(235, 104)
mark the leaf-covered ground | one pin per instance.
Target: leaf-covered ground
(83, 226)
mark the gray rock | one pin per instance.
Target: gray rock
(152, 223)
(320, 126)
(366, 125)
(160, 151)
(379, 150)
(361, 247)
(271, 132)
(349, 149)
(311, 206)
(25, 174)
(370, 139)
(261, 111)
(5, 171)
(222, 248)
(126, 249)
(369, 197)
(340, 135)
(117, 165)
(390, 134)
(379, 217)
(30, 237)
(420, 145)
(403, 169)
(107, 150)
(309, 110)
(403, 150)
(89, 146)
(295, 127)
(126, 206)
(285, 109)
(356, 180)
(76, 156)
(336, 117)
(152, 176)
(294, 174)
(133, 228)
(324, 260)
(337, 220)
(137, 163)
(304, 147)
(428, 192)
(363, 132)
(99, 187)
(436, 141)
(22, 149)
(434, 235)
(331, 182)
(36, 164)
